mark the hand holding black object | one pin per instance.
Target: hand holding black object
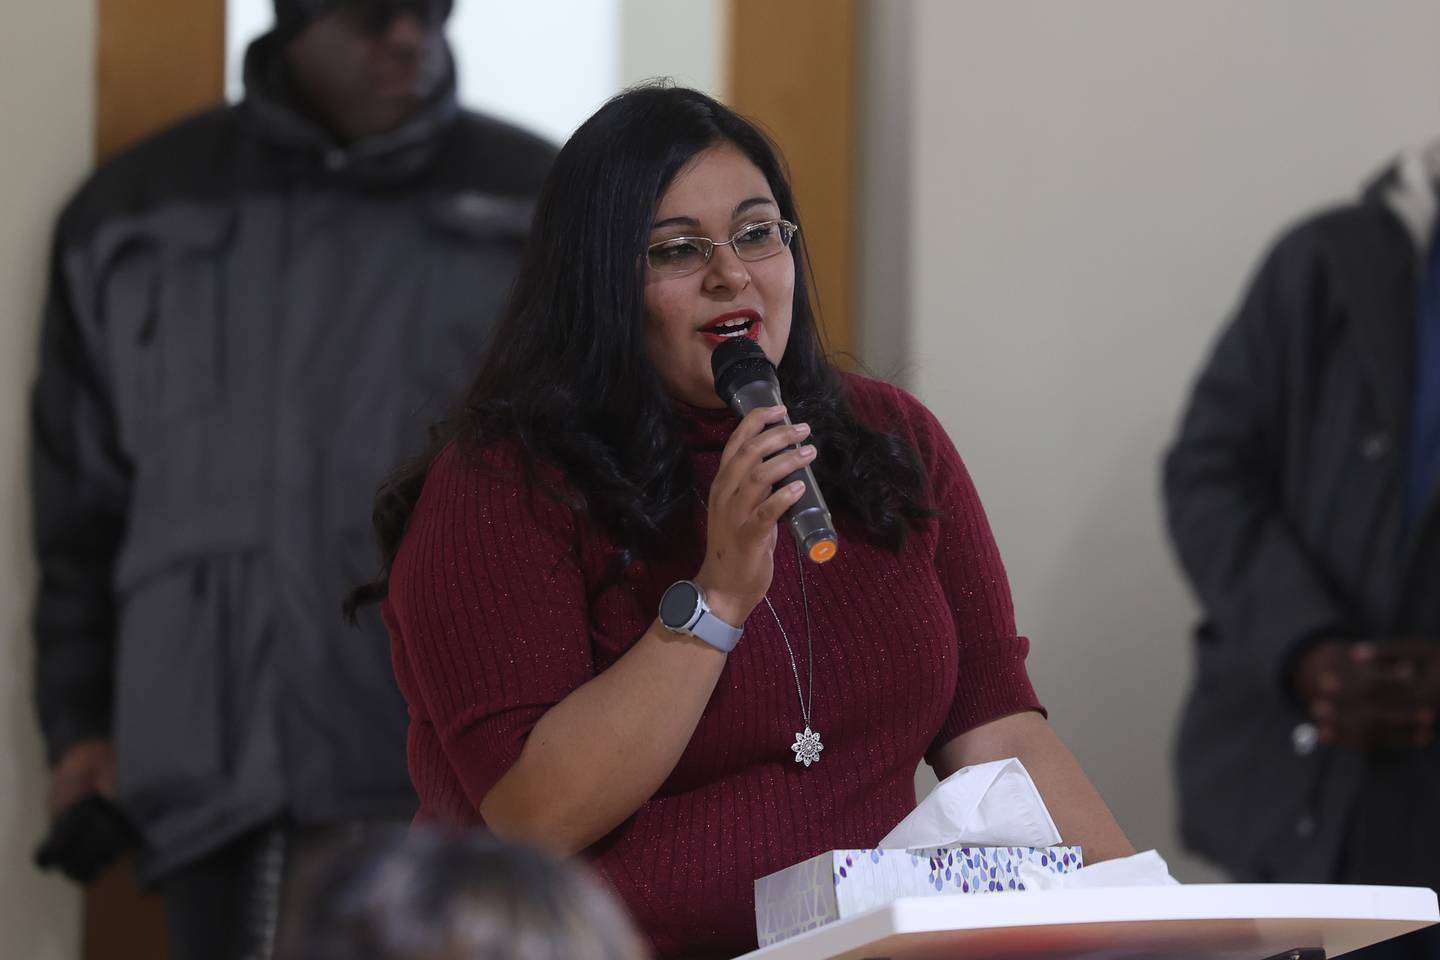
(744, 511)
(1366, 695)
(747, 381)
(86, 838)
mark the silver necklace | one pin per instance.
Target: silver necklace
(807, 745)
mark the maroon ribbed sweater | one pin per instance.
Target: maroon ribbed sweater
(501, 603)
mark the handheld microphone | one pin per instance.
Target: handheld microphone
(745, 379)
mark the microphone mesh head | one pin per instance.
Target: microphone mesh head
(738, 362)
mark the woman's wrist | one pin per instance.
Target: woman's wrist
(728, 608)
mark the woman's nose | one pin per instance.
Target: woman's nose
(726, 270)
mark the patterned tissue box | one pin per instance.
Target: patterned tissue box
(843, 883)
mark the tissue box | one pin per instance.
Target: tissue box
(842, 883)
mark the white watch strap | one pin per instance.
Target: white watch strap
(714, 631)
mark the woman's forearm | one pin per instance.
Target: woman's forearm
(1079, 812)
(597, 755)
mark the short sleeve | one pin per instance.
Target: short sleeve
(488, 609)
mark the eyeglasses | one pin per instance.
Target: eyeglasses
(374, 16)
(680, 256)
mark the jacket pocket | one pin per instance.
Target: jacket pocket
(169, 698)
(473, 244)
(163, 310)
(1246, 796)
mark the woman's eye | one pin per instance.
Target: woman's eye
(756, 233)
(674, 251)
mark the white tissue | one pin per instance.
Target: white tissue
(991, 804)
(1146, 869)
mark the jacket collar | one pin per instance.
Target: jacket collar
(272, 106)
(1407, 189)
(1384, 288)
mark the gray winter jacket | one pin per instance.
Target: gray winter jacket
(1286, 494)
(248, 326)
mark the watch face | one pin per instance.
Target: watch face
(677, 607)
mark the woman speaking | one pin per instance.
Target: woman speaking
(777, 707)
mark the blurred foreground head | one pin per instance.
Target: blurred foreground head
(433, 896)
(364, 67)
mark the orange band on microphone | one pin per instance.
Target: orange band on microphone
(822, 551)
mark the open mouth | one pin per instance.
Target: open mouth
(733, 326)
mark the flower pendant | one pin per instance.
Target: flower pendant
(807, 747)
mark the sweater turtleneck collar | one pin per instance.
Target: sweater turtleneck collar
(705, 429)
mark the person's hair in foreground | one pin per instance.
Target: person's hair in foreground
(568, 374)
(429, 895)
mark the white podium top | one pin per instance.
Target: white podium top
(1214, 921)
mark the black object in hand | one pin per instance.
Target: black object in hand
(745, 379)
(91, 834)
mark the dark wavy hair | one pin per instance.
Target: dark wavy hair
(568, 376)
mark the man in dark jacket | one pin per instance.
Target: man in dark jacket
(1302, 497)
(251, 318)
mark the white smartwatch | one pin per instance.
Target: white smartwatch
(683, 610)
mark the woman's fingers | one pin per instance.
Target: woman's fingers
(768, 514)
(750, 427)
(759, 528)
(758, 448)
(767, 473)
(745, 507)
(748, 463)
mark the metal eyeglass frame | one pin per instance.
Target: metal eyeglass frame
(708, 246)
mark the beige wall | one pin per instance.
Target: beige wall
(1087, 186)
(687, 41)
(47, 113)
